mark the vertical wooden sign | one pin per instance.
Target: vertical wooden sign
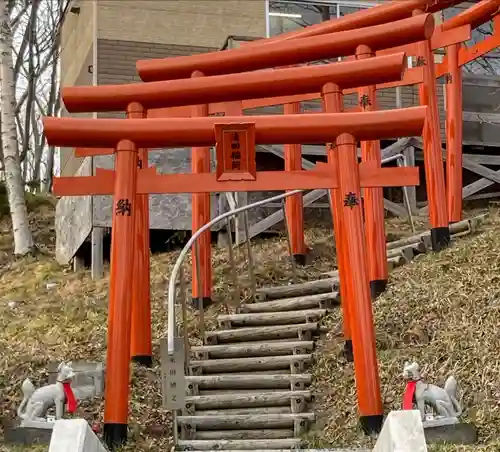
(235, 151)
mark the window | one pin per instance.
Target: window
(289, 15)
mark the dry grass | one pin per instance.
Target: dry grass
(442, 310)
(48, 313)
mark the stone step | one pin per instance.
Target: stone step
(299, 290)
(270, 318)
(246, 411)
(251, 381)
(240, 422)
(295, 363)
(252, 349)
(301, 450)
(295, 399)
(241, 391)
(301, 331)
(244, 434)
(265, 372)
(265, 444)
(320, 301)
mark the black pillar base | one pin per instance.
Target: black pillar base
(371, 425)
(377, 287)
(115, 435)
(300, 259)
(143, 360)
(347, 352)
(207, 301)
(440, 238)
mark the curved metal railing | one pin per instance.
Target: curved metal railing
(177, 271)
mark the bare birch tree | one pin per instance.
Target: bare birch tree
(36, 72)
(23, 240)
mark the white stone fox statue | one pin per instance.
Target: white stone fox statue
(36, 402)
(442, 400)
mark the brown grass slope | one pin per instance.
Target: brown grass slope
(445, 319)
(442, 310)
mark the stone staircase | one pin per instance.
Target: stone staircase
(248, 387)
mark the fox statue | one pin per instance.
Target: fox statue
(442, 400)
(36, 402)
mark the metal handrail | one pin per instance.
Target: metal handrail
(402, 161)
(171, 327)
(180, 260)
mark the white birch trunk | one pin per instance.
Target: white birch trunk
(23, 240)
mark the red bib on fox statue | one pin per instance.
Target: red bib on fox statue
(71, 403)
(409, 395)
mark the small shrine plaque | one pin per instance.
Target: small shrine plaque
(235, 150)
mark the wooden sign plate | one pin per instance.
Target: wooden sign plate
(235, 151)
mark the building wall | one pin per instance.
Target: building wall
(77, 40)
(180, 22)
(116, 57)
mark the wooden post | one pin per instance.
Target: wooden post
(140, 345)
(332, 103)
(294, 206)
(97, 266)
(78, 263)
(120, 303)
(399, 99)
(434, 170)
(454, 134)
(373, 204)
(360, 306)
(200, 215)
(409, 154)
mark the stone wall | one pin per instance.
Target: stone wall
(165, 211)
(73, 220)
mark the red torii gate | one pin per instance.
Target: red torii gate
(129, 135)
(275, 52)
(344, 141)
(138, 98)
(472, 17)
(228, 88)
(458, 56)
(250, 85)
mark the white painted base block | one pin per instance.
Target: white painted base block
(402, 432)
(74, 435)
